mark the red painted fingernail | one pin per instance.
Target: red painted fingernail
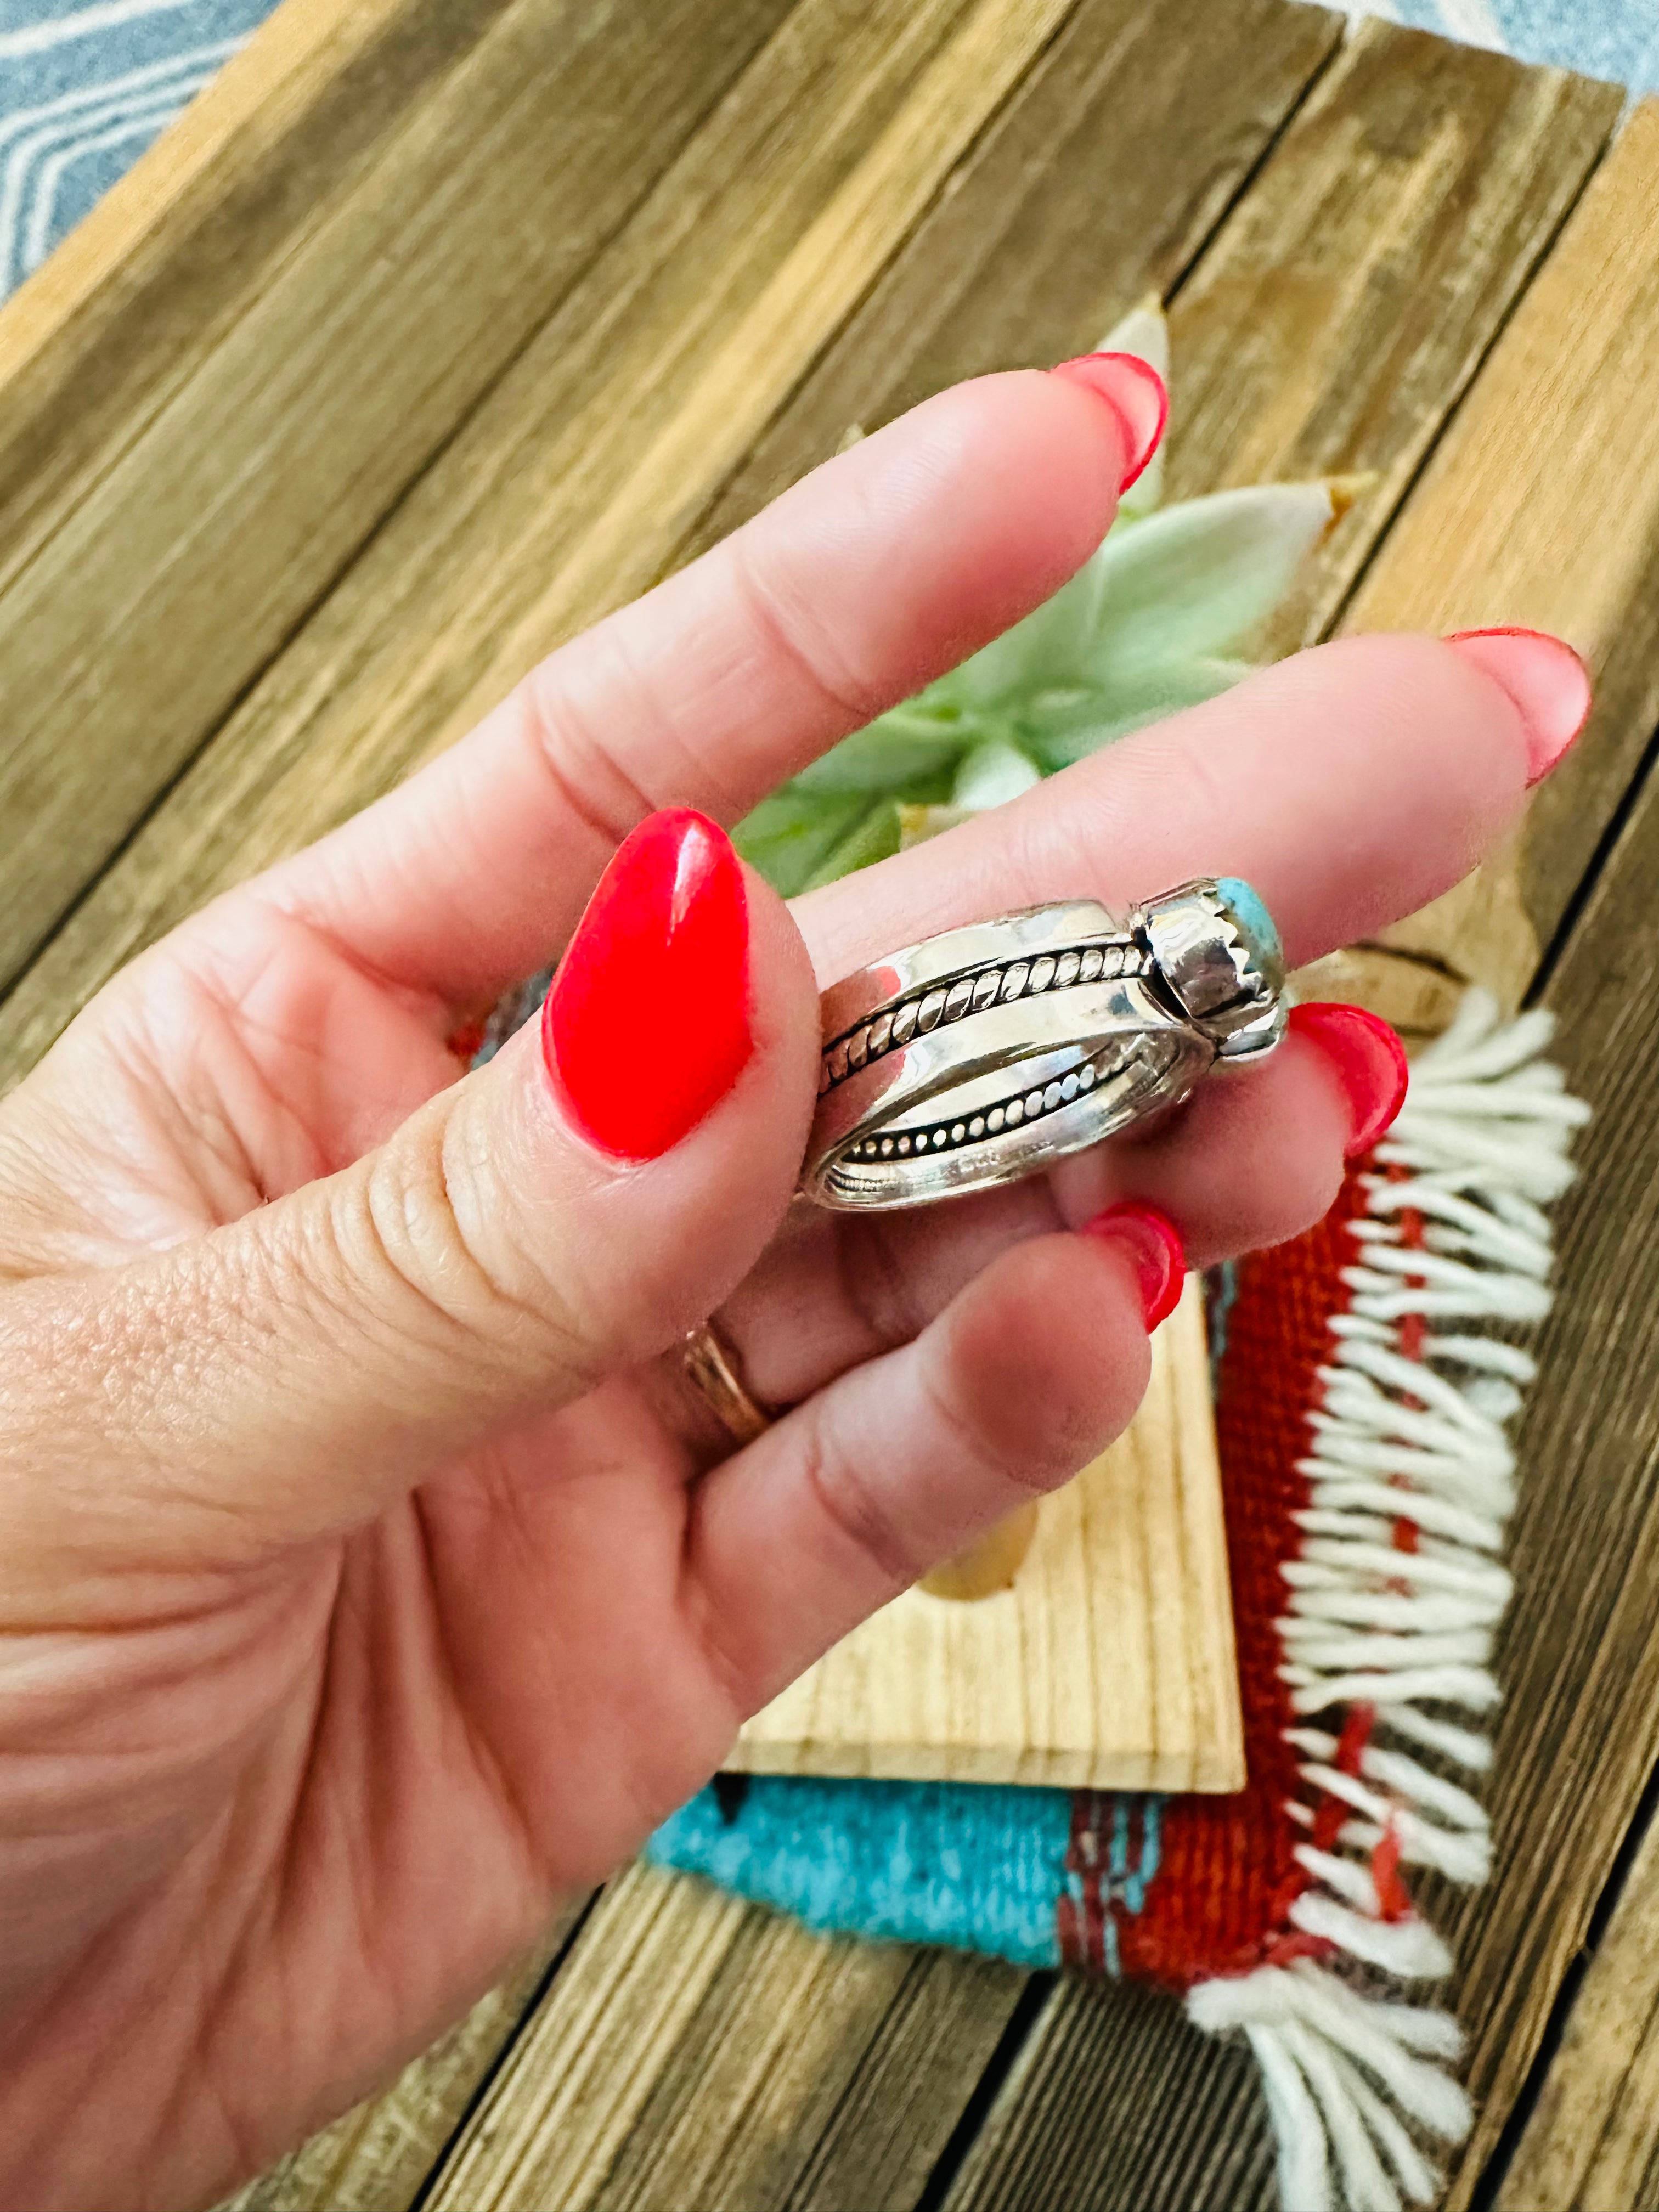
(1369, 1058)
(1154, 1244)
(648, 1022)
(1134, 391)
(1545, 677)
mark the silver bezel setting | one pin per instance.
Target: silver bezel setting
(986, 1053)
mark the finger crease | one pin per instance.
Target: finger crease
(552, 736)
(848, 1504)
(854, 702)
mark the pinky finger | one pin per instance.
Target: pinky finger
(1032, 1369)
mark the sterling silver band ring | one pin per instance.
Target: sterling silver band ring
(984, 1054)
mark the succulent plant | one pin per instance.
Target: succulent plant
(1154, 621)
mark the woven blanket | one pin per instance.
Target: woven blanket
(86, 85)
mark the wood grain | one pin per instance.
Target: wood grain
(1330, 325)
(1345, 308)
(1108, 1664)
(231, 499)
(669, 2080)
(1101, 183)
(551, 502)
(1592, 2141)
(131, 302)
(1542, 507)
(1114, 2091)
(697, 2051)
(1013, 2158)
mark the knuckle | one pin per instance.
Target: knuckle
(412, 1228)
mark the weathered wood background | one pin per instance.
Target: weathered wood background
(438, 325)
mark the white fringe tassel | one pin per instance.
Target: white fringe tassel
(1410, 1442)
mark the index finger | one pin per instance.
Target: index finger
(878, 572)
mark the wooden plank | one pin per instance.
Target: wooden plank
(1100, 184)
(1114, 2091)
(1593, 2137)
(571, 486)
(137, 295)
(1480, 240)
(697, 2050)
(1107, 1664)
(1541, 505)
(1330, 327)
(1014, 2155)
(208, 522)
(378, 2154)
(1579, 1734)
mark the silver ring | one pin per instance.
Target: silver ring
(984, 1054)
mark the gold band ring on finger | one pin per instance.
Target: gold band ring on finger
(986, 1053)
(711, 1367)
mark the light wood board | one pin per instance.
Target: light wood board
(1108, 1665)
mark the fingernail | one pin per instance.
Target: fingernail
(647, 1024)
(1369, 1058)
(1545, 677)
(1134, 391)
(1154, 1244)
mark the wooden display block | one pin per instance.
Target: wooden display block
(1107, 1663)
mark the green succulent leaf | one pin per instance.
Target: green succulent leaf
(1054, 736)
(875, 836)
(995, 771)
(787, 837)
(1198, 577)
(1152, 622)
(906, 744)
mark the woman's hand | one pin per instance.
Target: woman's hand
(368, 1575)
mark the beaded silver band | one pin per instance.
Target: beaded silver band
(984, 1054)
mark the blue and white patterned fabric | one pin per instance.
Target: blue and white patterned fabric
(1618, 39)
(83, 90)
(85, 85)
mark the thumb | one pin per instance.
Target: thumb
(563, 1212)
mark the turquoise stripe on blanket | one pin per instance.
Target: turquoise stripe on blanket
(973, 1866)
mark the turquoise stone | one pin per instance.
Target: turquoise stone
(1255, 925)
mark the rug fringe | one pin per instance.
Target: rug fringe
(1396, 1593)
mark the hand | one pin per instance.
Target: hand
(370, 1576)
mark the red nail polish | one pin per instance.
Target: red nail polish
(648, 1022)
(1154, 1244)
(1369, 1058)
(1545, 678)
(1134, 391)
